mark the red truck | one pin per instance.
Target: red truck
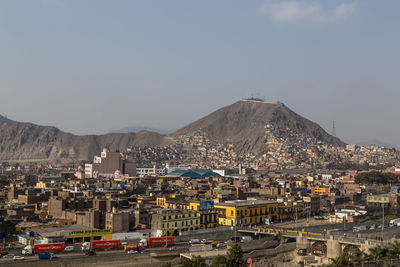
(156, 241)
(101, 244)
(49, 247)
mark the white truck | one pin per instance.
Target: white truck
(143, 242)
(27, 251)
(247, 239)
(85, 246)
(394, 222)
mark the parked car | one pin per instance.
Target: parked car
(194, 241)
(237, 240)
(133, 252)
(302, 252)
(18, 258)
(221, 245)
(69, 248)
(3, 253)
(9, 256)
(172, 249)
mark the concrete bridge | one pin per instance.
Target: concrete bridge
(324, 245)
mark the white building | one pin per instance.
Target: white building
(149, 171)
(88, 170)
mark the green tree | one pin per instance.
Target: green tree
(218, 261)
(378, 253)
(359, 258)
(342, 260)
(196, 262)
(235, 256)
(394, 250)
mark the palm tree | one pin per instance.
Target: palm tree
(359, 258)
(377, 253)
(342, 260)
(394, 250)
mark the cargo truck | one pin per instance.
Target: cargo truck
(133, 247)
(156, 241)
(394, 222)
(106, 244)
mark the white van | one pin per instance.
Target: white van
(69, 248)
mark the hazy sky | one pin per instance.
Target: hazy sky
(94, 66)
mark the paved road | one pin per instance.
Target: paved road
(341, 229)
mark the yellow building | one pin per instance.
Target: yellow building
(41, 185)
(208, 219)
(72, 234)
(173, 222)
(320, 191)
(78, 237)
(246, 212)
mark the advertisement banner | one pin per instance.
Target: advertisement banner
(160, 240)
(206, 205)
(105, 243)
(49, 247)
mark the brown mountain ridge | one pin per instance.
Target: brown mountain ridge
(243, 124)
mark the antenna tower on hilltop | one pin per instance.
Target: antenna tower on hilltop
(333, 129)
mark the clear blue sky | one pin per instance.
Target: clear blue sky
(94, 66)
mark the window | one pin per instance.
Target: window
(231, 212)
(176, 224)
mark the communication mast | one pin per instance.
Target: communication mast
(333, 129)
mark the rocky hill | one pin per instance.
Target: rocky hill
(247, 124)
(27, 141)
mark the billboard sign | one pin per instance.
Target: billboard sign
(267, 222)
(105, 243)
(206, 205)
(160, 240)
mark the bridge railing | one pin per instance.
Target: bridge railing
(348, 238)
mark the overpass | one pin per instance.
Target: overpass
(324, 245)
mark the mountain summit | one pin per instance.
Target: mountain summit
(248, 124)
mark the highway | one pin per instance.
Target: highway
(78, 254)
(323, 226)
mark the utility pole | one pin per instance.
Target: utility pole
(234, 234)
(166, 231)
(383, 218)
(295, 219)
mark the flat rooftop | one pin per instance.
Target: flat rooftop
(61, 231)
(243, 203)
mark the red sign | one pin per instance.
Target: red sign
(105, 243)
(160, 240)
(49, 247)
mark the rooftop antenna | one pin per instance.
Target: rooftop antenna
(333, 129)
